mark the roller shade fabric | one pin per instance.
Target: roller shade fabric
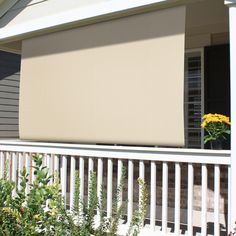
(115, 82)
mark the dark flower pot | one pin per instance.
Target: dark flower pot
(216, 145)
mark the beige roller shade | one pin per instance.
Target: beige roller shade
(118, 82)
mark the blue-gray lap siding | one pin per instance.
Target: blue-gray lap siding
(9, 94)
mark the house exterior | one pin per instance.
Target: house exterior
(105, 84)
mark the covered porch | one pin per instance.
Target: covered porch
(191, 189)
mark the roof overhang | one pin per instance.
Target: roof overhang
(79, 16)
(5, 5)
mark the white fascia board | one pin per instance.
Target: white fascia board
(5, 5)
(230, 2)
(75, 15)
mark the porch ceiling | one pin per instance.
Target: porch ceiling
(28, 18)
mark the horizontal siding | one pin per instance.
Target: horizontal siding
(4, 127)
(9, 88)
(4, 114)
(9, 108)
(11, 102)
(10, 82)
(9, 134)
(5, 94)
(9, 95)
(9, 120)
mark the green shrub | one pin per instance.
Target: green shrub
(42, 210)
(138, 218)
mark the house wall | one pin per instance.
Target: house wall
(9, 94)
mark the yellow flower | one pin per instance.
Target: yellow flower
(216, 126)
(214, 118)
(203, 125)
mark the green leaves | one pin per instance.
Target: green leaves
(139, 215)
(216, 131)
(42, 212)
(36, 213)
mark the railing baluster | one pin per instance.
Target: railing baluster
(64, 178)
(44, 160)
(21, 166)
(190, 199)
(142, 170)
(49, 166)
(229, 199)
(164, 197)
(109, 186)
(130, 189)
(90, 165)
(177, 197)
(99, 184)
(47, 156)
(153, 196)
(204, 200)
(56, 166)
(8, 160)
(119, 176)
(14, 170)
(216, 200)
(72, 181)
(28, 167)
(2, 164)
(81, 176)
(90, 169)
(33, 170)
(141, 175)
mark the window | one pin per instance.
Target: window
(194, 91)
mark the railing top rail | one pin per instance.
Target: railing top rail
(121, 152)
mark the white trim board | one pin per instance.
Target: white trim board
(8, 49)
(229, 2)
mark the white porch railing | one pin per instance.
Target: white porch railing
(175, 177)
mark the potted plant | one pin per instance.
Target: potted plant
(217, 127)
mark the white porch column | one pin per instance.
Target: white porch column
(232, 30)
